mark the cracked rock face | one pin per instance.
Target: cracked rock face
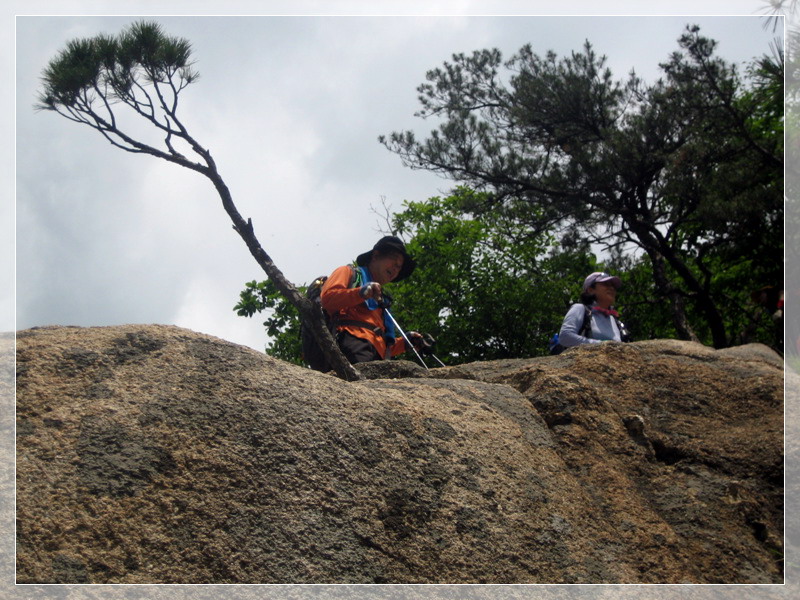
(153, 454)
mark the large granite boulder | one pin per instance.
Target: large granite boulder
(153, 454)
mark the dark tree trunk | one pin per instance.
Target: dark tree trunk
(682, 326)
(310, 314)
(661, 255)
(702, 299)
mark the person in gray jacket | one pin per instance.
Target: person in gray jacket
(593, 320)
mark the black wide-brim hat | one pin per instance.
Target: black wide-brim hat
(387, 244)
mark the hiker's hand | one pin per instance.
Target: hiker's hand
(427, 343)
(422, 342)
(416, 339)
(372, 290)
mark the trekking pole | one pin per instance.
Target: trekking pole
(405, 337)
(436, 358)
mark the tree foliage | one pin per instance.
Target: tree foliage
(687, 171)
(142, 70)
(282, 323)
(485, 287)
(112, 83)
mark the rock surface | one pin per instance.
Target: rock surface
(153, 454)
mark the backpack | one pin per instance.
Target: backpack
(311, 352)
(586, 330)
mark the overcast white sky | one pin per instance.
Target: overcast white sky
(291, 108)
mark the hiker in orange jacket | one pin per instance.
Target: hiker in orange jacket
(354, 298)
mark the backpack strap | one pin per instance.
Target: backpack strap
(586, 328)
(624, 334)
(352, 323)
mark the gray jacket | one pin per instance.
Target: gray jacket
(604, 328)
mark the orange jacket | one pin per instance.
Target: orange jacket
(341, 301)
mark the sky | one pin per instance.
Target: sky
(291, 108)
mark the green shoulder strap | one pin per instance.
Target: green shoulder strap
(355, 280)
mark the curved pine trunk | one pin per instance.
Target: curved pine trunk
(310, 313)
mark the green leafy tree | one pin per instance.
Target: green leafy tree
(282, 323)
(683, 170)
(112, 83)
(643, 311)
(485, 287)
